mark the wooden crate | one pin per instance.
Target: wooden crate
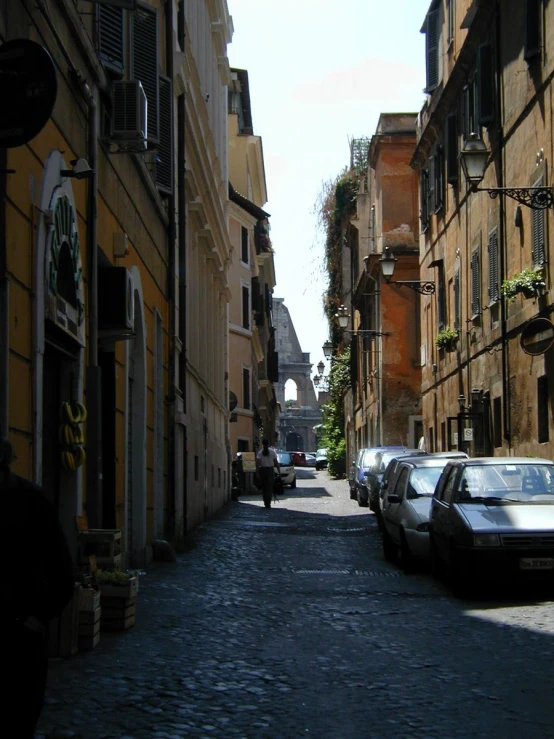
(118, 614)
(89, 599)
(128, 590)
(86, 643)
(89, 622)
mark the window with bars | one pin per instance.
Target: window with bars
(485, 84)
(542, 409)
(245, 307)
(244, 245)
(246, 388)
(494, 287)
(475, 283)
(538, 232)
(450, 15)
(438, 172)
(470, 112)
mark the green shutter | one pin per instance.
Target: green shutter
(110, 40)
(432, 49)
(145, 63)
(457, 306)
(538, 235)
(494, 292)
(475, 283)
(164, 162)
(441, 297)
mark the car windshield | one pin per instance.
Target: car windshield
(284, 458)
(423, 482)
(515, 482)
(368, 459)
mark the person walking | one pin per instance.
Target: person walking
(37, 582)
(266, 462)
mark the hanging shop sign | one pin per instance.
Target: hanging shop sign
(537, 337)
(28, 89)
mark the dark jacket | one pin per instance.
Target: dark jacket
(37, 569)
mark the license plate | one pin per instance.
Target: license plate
(536, 563)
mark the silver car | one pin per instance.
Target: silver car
(405, 509)
(492, 519)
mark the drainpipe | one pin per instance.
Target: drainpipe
(4, 312)
(182, 266)
(501, 229)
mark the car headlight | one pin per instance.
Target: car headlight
(423, 526)
(486, 540)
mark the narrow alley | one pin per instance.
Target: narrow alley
(288, 622)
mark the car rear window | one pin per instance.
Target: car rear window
(284, 458)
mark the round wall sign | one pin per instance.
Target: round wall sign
(28, 90)
(537, 337)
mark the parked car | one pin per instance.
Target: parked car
(393, 468)
(361, 464)
(492, 519)
(375, 473)
(310, 460)
(288, 474)
(321, 459)
(299, 459)
(406, 505)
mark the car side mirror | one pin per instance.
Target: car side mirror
(393, 498)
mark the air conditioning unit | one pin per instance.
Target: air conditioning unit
(116, 303)
(66, 317)
(130, 121)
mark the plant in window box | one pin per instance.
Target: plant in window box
(446, 339)
(528, 282)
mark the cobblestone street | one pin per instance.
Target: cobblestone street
(289, 623)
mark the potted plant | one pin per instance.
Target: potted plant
(118, 591)
(117, 584)
(446, 338)
(528, 282)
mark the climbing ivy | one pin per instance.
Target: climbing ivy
(333, 413)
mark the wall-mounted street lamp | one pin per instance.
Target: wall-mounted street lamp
(387, 261)
(321, 378)
(343, 317)
(327, 349)
(474, 157)
(80, 170)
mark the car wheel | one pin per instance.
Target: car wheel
(352, 493)
(389, 547)
(406, 557)
(361, 503)
(293, 484)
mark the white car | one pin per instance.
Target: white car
(406, 509)
(288, 474)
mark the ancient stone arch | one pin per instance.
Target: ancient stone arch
(295, 423)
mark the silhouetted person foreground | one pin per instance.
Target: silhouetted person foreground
(37, 581)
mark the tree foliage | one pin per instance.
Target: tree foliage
(333, 413)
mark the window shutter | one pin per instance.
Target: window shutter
(145, 63)
(257, 303)
(532, 39)
(164, 162)
(432, 49)
(457, 307)
(486, 85)
(494, 292)
(475, 283)
(451, 145)
(110, 39)
(538, 242)
(423, 198)
(431, 186)
(439, 179)
(246, 388)
(441, 298)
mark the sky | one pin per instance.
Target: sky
(320, 73)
